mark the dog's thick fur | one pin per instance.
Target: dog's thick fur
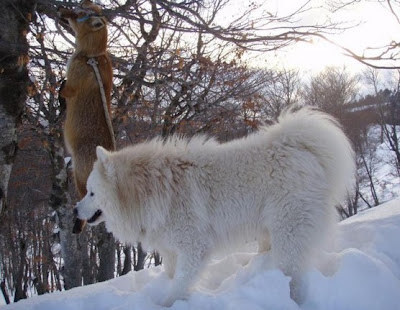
(186, 198)
(85, 125)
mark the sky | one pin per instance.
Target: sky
(374, 26)
(371, 25)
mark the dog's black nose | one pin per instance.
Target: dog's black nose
(75, 211)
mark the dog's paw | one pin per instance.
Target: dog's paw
(168, 302)
(171, 298)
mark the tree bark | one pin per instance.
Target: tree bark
(127, 260)
(106, 247)
(141, 255)
(87, 269)
(4, 291)
(70, 250)
(20, 291)
(60, 201)
(15, 17)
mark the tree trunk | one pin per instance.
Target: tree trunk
(14, 25)
(20, 292)
(4, 291)
(87, 270)
(141, 255)
(60, 201)
(70, 250)
(157, 259)
(106, 247)
(127, 260)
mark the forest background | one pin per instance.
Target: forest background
(186, 67)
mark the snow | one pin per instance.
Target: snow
(381, 161)
(362, 272)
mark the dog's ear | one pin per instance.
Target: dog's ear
(102, 154)
(107, 166)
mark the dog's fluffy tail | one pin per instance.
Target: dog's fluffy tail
(323, 136)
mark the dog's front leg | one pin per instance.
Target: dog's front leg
(169, 262)
(188, 266)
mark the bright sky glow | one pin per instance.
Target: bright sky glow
(313, 57)
(374, 26)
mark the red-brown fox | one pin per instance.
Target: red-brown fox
(86, 120)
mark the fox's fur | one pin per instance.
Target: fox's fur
(85, 125)
(187, 198)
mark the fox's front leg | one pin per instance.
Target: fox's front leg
(67, 90)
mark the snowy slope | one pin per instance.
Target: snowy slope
(381, 161)
(362, 273)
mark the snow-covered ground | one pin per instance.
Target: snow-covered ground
(383, 169)
(363, 272)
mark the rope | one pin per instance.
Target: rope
(92, 62)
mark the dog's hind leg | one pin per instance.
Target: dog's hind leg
(169, 262)
(294, 236)
(264, 241)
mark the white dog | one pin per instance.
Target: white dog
(186, 198)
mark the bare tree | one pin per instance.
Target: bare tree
(15, 17)
(27, 230)
(390, 122)
(385, 56)
(331, 90)
(367, 162)
(283, 91)
(372, 77)
(388, 111)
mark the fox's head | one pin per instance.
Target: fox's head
(87, 22)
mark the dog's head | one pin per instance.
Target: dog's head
(94, 208)
(85, 18)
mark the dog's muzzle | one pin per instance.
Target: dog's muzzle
(95, 216)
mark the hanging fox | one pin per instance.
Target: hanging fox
(86, 125)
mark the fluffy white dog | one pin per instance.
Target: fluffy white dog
(186, 198)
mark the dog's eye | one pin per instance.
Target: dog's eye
(91, 194)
